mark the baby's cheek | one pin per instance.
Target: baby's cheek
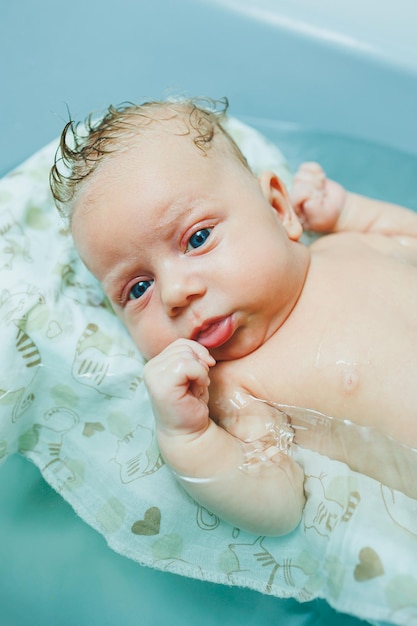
(149, 341)
(142, 346)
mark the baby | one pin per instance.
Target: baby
(202, 261)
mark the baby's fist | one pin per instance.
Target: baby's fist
(178, 380)
(317, 200)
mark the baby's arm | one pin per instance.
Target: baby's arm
(324, 206)
(266, 499)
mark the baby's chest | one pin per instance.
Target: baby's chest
(350, 363)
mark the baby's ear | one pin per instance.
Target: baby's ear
(277, 196)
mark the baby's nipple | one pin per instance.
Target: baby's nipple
(350, 377)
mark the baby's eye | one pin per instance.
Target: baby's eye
(139, 289)
(198, 238)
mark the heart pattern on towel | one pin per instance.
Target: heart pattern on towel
(369, 565)
(53, 330)
(150, 524)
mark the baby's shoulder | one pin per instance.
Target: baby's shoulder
(334, 242)
(361, 246)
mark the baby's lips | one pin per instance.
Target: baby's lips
(215, 333)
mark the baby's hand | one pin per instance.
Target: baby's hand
(317, 200)
(177, 380)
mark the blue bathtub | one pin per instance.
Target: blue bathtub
(331, 81)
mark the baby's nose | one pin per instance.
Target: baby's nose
(180, 291)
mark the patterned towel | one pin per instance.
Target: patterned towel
(73, 401)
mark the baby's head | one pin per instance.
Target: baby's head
(185, 240)
(85, 146)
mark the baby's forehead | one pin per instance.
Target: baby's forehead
(165, 138)
(136, 159)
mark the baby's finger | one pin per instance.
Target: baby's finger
(308, 180)
(176, 366)
(189, 368)
(303, 190)
(200, 352)
(311, 168)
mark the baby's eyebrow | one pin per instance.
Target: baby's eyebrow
(169, 216)
(114, 281)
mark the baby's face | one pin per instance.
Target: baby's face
(192, 246)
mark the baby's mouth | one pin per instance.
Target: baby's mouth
(215, 333)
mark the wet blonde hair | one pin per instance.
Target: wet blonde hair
(83, 146)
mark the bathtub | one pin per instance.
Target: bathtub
(330, 81)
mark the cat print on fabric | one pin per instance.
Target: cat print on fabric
(137, 454)
(46, 441)
(336, 504)
(16, 379)
(14, 243)
(99, 364)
